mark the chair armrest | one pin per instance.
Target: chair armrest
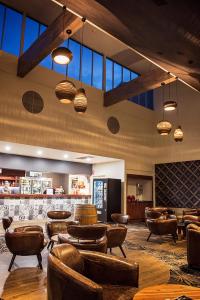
(107, 269)
(66, 283)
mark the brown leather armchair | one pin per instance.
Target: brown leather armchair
(193, 245)
(55, 227)
(83, 275)
(25, 242)
(162, 227)
(120, 218)
(191, 216)
(159, 212)
(86, 237)
(58, 214)
(116, 235)
(6, 222)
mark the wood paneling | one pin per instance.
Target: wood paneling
(143, 83)
(136, 209)
(49, 40)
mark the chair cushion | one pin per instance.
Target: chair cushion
(115, 292)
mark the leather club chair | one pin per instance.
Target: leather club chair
(191, 216)
(120, 218)
(7, 221)
(162, 227)
(58, 214)
(86, 237)
(116, 236)
(193, 245)
(159, 212)
(24, 242)
(53, 228)
(75, 275)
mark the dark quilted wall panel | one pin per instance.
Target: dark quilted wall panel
(178, 184)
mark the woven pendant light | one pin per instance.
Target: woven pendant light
(65, 91)
(164, 127)
(80, 101)
(178, 134)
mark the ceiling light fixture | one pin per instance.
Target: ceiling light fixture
(66, 155)
(178, 133)
(164, 127)
(170, 105)
(65, 91)
(80, 100)
(39, 152)
(7, 148)
(62, 55)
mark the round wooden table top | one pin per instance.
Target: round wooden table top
(167, 292)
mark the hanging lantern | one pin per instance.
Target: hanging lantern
(65, 91)
(170, 105)
(80, 101)
(164, 127)
(62, 55)
(178, 134)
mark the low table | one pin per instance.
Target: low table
(167, 292)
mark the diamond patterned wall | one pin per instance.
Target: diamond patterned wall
(178, 184)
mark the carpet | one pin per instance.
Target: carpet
(164, 249)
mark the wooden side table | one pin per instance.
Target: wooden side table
(167, 292)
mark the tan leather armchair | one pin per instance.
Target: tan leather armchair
(159, 212)
(116, 236)
(82, 275)
(86, 237)
(193, 245)
(56, 227)
(162, 227)
(24, 242)
(120, 218)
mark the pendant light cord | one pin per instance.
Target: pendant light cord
(163, 96)
(177, 100)
(82, 36)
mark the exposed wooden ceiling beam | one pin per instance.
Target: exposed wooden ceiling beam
(156, 29)
(143, 83)
(49, 40)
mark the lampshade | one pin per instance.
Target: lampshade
(80, 101)
(170, 105)
(65, 91)
(62, 55)
(164, 127)
(178, 134)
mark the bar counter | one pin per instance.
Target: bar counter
(36, 206)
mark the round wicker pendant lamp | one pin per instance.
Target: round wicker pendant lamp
(80, 101)
(164, 127)
(65, 91)
(178, 134)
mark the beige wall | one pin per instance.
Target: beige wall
(59, 127)
(166, 149)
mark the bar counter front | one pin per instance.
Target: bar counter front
(36, 206)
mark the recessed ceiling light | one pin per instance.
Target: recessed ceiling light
(66, 155)
(7, 148)
(39, 152)
(88, 159)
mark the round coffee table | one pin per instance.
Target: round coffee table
(167, 292)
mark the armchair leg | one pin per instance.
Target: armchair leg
(149, 236)
(174, 238)
(122, 250)
(52, 244)
(11, 262)
(39, 257)
(49, 244)
(110, 250)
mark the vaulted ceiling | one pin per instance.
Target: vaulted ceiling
(165, 31)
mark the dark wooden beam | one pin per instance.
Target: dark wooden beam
(157, 29)
(49, 40)
(143, 83)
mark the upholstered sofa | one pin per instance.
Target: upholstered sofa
(193, 245)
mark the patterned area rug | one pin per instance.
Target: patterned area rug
(164, 249)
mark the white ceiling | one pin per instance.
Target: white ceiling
(33, 151)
